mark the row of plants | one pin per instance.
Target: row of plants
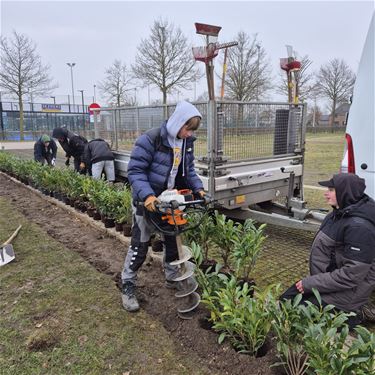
(235, 246)
(309, 339)
(110, 201)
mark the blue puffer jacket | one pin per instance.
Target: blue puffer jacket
(150, 165)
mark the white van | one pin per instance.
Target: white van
(359, 153)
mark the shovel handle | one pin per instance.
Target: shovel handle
(10, 239)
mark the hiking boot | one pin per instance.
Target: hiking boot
(176, 285)
(129, 300)
(368, 312)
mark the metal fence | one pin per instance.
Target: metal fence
(37, 122)
(245, 130)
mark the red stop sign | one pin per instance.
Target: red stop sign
(93, 106)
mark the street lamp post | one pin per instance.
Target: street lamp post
(83, 102)
(258, 71)
(54, 99)
(71, 65)
(94, 93)
(135, 94)
(257, 86)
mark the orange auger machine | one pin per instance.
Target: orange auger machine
(172, 208)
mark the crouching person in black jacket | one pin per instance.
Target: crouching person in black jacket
(98, 157)
(45, 150)
(73, 145)
(342, 259)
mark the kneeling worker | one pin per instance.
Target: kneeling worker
(45, 150)
(342, 260)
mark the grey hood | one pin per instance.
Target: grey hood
(184, 111)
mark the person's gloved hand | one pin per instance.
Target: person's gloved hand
(203, 195)
(53, 162)
(67, 162)
(82, 165)
(150, 203)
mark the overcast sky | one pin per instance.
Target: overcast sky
(95, 33)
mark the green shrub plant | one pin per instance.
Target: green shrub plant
(248, 242)
(314, 339)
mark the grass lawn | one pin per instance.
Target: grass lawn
(323, 156)
(322, 159)
(61, 316)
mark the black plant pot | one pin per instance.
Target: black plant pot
(119, 227)
(91, 212)
(205, 323)
(127, 230)
(109, 223)
(263, 350)
(208, 264)
(45, 191)
(96, 215)
(251, 283)
(57, 195)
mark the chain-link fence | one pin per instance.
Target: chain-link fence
(245, 130)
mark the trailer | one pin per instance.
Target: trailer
(249, 156)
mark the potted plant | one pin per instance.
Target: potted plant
(247, 246)
(108, 203)
(119, 213)
(203, 236)
(224, 236)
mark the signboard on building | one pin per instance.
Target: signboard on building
(51, 107)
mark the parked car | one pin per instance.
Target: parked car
(359, 152)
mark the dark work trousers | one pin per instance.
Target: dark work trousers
(77, 162)
(292, 291)
(142, 229)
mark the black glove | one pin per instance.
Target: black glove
(67, 162)
(206, 197)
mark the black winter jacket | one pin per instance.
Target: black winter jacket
(97, 150)
(72, 144)
(342, 260)
(42, 153)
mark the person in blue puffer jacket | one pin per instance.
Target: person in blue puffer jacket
(161, 159)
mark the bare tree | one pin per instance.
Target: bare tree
(22, 71)
(335, 82)
(114, 87)
(164, 59)
(248, 74)
(303, 80)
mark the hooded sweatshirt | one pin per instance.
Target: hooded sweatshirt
(41, 152)
(72, 144)
(342, 260)
(152, 158)
(184, 112)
